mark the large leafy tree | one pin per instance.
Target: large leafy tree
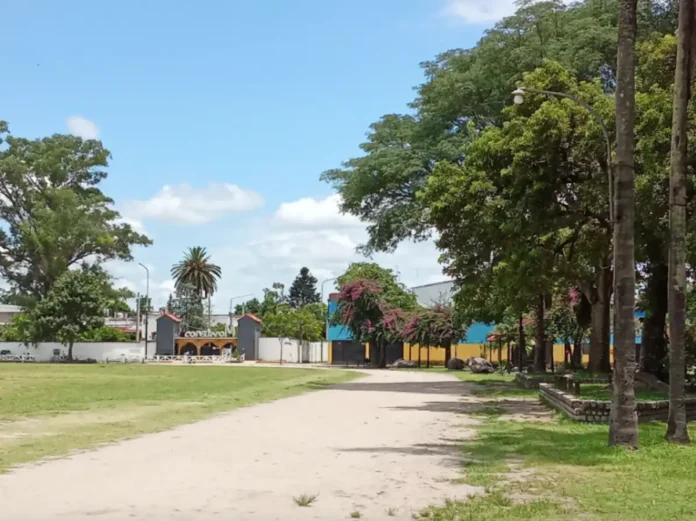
(364, 310)
(395, 294)
(436, 327)
(197, 271)
(53, 212)
(252, 306)
(289, 322)
(74, 305)
(303, 290)
(187, 304)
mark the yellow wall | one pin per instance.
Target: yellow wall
(437, 354)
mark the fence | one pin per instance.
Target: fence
(293, 352)
(100, 351)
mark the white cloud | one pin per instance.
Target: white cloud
(309, 212)
(313, 233)
(184, 205)
(82, 127)
(479, 11)
(136, 224)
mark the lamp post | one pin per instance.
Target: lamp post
(326, 321)
(147, 305)
(518, 98)
(232, 300)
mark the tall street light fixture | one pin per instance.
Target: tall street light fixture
(518, 98)
(147, 304)
(326, 322)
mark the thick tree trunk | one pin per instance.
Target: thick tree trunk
(539, 337)
(601, 322)
(623, 426)
(521, 344)
(576, 360)
(676, 424)
(70, 352)
(653, 348)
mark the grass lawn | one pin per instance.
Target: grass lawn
(49, 410)
(599, 392)
(564, 471)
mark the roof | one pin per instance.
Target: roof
(10, 308)
(252, 317)
(169, 315)
(431, 294)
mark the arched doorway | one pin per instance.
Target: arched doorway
(189, 349)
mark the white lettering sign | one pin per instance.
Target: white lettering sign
(206, 334)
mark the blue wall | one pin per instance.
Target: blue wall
(336, 332)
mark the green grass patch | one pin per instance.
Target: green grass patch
(574, 474)
(600, 392)
(48, 410)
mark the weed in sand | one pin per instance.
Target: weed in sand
(355, 514)
(305, 500)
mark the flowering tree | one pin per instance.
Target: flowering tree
(436, 327)
(363, 309)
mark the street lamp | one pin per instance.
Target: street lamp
(518, 98)
(236, 298)
(147, 301)
(326, 324)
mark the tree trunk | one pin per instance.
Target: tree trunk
(70, 351)
(676, 424)
(653, 348)
(521, 344)
(428, 356)
(623, 426)
(539, 337)
(567, 353)
(576, 360)
(601, 323)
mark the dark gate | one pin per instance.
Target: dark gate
(394, 352)
(346, 352)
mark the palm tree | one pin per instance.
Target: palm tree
(197, 272)
(623, 427)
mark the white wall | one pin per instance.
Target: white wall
(100, 351)
(269, 351)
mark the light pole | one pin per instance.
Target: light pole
(147, 303)
(518, 98)
(326, 321)
(232, 300)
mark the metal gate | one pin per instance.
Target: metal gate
(346, 352)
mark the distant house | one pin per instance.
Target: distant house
(8, 312)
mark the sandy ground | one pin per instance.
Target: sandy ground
(388, 441)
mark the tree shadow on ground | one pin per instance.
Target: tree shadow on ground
(454, 388)
(449, 449)
(527, 408)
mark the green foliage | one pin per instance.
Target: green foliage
(106, 334)
(435, 327)
(18, 330)
(197, 272)
(303, 290)
(187, 304)
(252, 306)
(55, 216)
(395, 294)
(288, 322)
(74, 305)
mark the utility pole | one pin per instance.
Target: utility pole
(147, 304)
(137, 318)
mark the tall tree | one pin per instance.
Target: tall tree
(394, 292)
(303, 290)
(53, 212)
(252, 306)
(623, 427)
(74, 305)
(196, 271)
(677, 421)
(187, 304)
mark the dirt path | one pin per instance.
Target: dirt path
(388, 441)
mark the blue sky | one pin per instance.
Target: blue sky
(221, 115)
